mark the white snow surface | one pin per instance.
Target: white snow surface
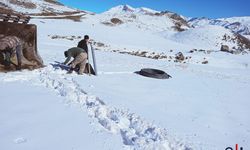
(201, 107)
(36, 118)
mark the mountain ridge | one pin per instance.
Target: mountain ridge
(164, 23)
(38, 7)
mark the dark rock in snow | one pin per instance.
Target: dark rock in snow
(225, 48)
(205, 62)
(179, 56)
(116, 21)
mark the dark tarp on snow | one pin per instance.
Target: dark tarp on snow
(153, 73)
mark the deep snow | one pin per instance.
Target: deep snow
(34, 117)
(201, 107)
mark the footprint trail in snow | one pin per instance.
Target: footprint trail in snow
(135, 132)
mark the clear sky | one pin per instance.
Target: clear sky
(188, 8)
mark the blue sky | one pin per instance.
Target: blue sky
(189, 8)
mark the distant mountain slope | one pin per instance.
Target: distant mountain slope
(243, 20)
(128, 9)
(239, 25)
(144, 18)
(199, 33)
(211, 36)
(38, 7)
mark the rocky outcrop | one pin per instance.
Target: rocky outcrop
(116, 21)
(179, 56)
(42, 8)
(113, 22)
(180, 23)
(241, 41)
(224, 48)
(24, 4)
(71, 38)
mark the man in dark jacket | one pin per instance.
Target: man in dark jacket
(84, 43)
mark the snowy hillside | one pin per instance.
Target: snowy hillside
(139, 17)
(204, 106)
(239, 25)
(243, 20)
(38, 7)
(128, 9)
(207, 37)
(171, 25)
(124, 110)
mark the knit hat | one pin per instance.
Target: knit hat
(86, 37)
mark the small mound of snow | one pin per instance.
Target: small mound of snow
(20, 140)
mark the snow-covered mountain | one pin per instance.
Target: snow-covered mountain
(243, 20)
(145, 18)
(211, 36)
(171, 26)
(239, 25)
(204, 105)
(128, 9)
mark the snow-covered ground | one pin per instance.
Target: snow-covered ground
(204, 106)
(33, 117)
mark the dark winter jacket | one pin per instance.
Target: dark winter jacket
(73, 52)
(83, 44)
